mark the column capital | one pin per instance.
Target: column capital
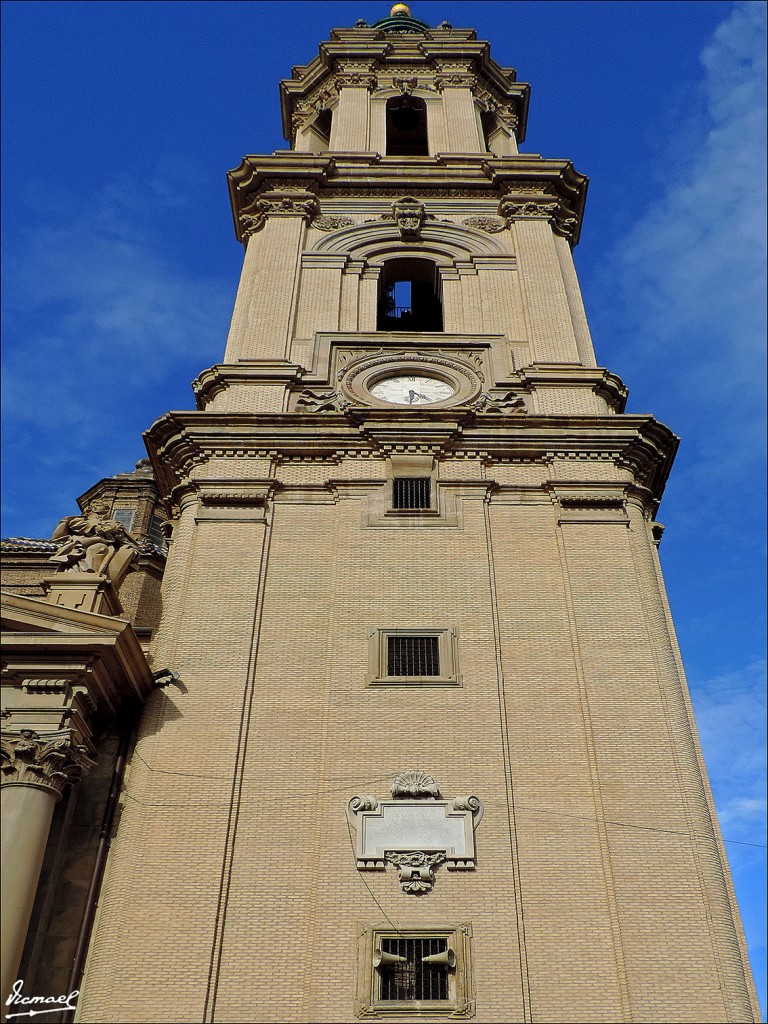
(282, 202)
(50, 761)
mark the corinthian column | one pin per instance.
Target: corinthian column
(35, 771)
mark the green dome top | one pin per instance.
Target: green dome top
(401, 21)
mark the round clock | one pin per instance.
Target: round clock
(411, 390)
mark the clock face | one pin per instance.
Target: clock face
(402, 390)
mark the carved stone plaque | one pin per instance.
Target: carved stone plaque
(415, 831)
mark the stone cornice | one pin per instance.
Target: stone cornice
(181, 441)
(523, 185)
(42, 641)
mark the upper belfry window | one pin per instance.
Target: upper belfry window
(490, 127)
(407, 126)
(318, 133)
(409, 297)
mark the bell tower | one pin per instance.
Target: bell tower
(430, 753)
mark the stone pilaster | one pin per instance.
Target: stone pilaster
(274, 224)
(349, 130)
(461, 121)
(35, 771)
(550, 324)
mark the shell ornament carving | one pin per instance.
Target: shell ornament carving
(414, 785)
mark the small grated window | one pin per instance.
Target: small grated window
(404, 974)
(413, 656)
(156, 535)
(411, 492)
(124, 516)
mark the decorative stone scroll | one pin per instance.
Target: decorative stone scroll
(511, 209)
(332, 223)
(51, 762)
(499, 402)
(415, 831)
(321, 400)
(283, 203)
(518, 208)
(490, 224)
(356, 79)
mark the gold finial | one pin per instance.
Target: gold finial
(400, 9)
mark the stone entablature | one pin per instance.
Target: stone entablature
(297, 184)
(182, 444)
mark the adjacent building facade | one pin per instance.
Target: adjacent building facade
(404, 733)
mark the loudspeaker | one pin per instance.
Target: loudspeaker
(447, 957)
(380, 958)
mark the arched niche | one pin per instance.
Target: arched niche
(430, 103)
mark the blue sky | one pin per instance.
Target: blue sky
(120, 269)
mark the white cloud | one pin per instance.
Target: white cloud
(731, 714)
(688, 282)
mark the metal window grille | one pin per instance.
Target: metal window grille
(156, 534)
(413, 656)
(124, 516)
(411, 979)
(411, 492)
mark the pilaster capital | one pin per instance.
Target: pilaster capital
(355, 74)
(52, 761)
(562, 219)
(284, 202)
(458, 80)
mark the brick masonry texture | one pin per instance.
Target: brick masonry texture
(601, 890)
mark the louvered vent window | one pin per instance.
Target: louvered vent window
(124, 516)
(409, 978)
(411, 492)
(413, 656)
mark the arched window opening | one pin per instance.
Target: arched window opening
(490, 127)
(407, 126)
(322, 126)
(319, 132)
(409, 298)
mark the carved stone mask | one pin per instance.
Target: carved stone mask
(409, 215)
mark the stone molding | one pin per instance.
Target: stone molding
(52, 761)
(99, 656)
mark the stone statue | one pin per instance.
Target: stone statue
(95, 543)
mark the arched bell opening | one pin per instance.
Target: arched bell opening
(407, 126)
(490, 127)
(409, 296)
